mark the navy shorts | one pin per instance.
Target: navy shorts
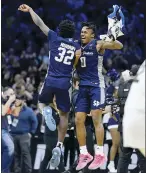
(90, 98)
(47, 94)
(114, 121)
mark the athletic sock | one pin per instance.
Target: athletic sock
(99, 150)
(112, 163)
(83, 150)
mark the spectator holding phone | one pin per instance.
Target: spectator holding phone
(8, 98)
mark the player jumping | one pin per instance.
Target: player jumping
(91, 93)
(63, 49)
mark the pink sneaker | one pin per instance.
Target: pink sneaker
(83, 161)
(97, 162)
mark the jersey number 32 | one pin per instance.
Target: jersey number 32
(65, 56)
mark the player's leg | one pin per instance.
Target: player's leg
(97, 96)
(113, 128)
(50, 139)
(63, 105)
(80, 129)
(63, 125)
(45, 105)
(82, 108)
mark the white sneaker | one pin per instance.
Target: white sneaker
(111, 168)
(56, 156)
(49, 119)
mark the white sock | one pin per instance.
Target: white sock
(99, 150)
(112, 163)
(60, 145)
(83, 150)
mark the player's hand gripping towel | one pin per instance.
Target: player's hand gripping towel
(116, 23)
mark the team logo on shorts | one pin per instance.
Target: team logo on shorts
(96, 103)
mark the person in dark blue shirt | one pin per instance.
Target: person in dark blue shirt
(64, 54)
(22, 128)
(8, 97)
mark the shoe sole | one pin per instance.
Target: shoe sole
(111, 171)
(55, 160)
(85, 165)
(50, 122)
(97, 166)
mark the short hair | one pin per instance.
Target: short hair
(66, 29)
(90, 25)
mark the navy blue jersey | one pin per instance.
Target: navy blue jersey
(61, 57)
(90, 66)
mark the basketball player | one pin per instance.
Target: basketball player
(91, 93)
(63, 49)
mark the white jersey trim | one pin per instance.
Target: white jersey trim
(102, 95)
(99, 68)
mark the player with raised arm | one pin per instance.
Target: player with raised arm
(62, 56)
(92, 92)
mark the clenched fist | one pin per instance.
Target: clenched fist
(24, 8)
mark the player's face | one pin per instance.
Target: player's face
(86, 35)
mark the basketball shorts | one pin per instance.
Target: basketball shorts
(113, 122)
(90, 98)
(47, 94)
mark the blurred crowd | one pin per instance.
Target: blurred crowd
(25, 50)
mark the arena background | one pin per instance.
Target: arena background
(25, 49)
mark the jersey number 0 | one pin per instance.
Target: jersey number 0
(65, 56)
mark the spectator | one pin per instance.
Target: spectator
(18, 81)
(23, 75)
(23, 127)
(43, 57)
(8, 97)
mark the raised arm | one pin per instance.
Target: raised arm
(36, 19)
(7, 105)
(102, 45)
